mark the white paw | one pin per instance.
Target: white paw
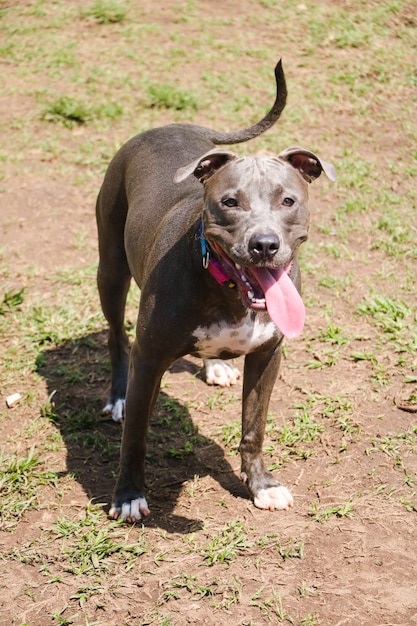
(131, 512)
(274, 498)
(221, 373)
(117, 410)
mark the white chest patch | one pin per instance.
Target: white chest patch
(247, 336)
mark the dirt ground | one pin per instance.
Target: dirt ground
(342, 432)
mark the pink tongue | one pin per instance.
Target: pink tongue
(284, 303)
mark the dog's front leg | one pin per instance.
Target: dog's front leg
(260, 373)
(145, 373)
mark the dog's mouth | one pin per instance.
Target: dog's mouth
(270, 289)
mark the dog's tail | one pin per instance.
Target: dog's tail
(260, 127)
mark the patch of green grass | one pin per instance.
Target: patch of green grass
(20, 481)
(71, 112)
(324, 514)
(11, 300)
(106, 11)
(227, 544)
(392, 442)
(42, 323)
(67, 110)
(89, 547)
(333, 334)
(49, 325)
(390, 314)
(365, 356)
(335, 406)
(304, 428)
(164, 96)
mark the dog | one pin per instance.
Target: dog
(211, 239)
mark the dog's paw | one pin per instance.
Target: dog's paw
(274, 498)
(131, 512)
(116, 410)
(221, 373)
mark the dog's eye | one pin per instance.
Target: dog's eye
(288, 202)
(230, 202)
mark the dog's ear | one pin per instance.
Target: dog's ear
(308, 164)
(205, 166)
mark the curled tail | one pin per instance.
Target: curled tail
(260, 127)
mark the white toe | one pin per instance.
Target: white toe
(117, 410)
(126, 511)
(114, 512)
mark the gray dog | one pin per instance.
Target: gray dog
(211, 239)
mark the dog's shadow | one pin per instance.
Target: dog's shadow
(77, 374)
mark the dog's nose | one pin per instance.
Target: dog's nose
(263, 247)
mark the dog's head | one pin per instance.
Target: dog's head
(255, 213)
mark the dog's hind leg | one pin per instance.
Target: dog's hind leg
(113, 280)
